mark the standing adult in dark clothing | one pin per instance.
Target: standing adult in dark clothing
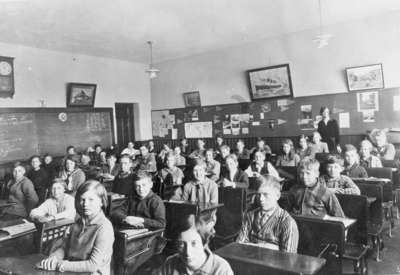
(329, 130)
(39, 178)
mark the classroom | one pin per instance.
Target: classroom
(172, 137)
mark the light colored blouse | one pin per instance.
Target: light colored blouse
(65, 209)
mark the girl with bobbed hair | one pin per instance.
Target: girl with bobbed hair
(288, 157)
(89, 246)
(367, 160)
(72, 175)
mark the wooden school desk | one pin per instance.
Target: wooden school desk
(26, 265)
(18, 243)
(249, 259)
(131, 250)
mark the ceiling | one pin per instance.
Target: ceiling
(120, 28)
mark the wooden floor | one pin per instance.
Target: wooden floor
(390, 256)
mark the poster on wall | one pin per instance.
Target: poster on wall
(198, 129)
(367, 101)
(161, 122)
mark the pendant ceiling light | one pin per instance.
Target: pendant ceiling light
(322, 39)
(151, 70)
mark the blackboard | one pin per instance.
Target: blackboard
(28, 131)
(286, 118)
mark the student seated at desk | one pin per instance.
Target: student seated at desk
(179, 159)
(143, 209)
(367, 160)
(213, 167)
(241, 152)
(71, 153)
(164, 151)
(152, 149)
(269, 226)
(50, 166)
(185, 150)
(336, 182)
(261, 147)
(111, 169)
(146, 161)
(73, 175)
(312, 197)
(39, 178)
(233, 176)
(130, 150)
(58, 206)
(288, 157)
(123, 182)
(89, 246)
(194, 256)
(201, 189)
(219, 141)
(22, 192)
(221, 158)
(305, 149)
(170, 175)
(261, 167)
(352, 167)
(319, 146)
(85, 165)
(384, 149)
(200, 151)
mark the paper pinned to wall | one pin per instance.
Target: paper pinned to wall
(368, 116)
(344, 120)
(261, 115)
(174, 133)
(396, 103)
(198, 129)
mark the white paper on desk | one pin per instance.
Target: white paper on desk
(344, 120)
(346, 221)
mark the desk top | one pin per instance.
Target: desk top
(25, 265)
(6, 203)
(202, 206)
(371, 179)
(271, 259)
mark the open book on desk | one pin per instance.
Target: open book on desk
(346, 221)
(13, 231)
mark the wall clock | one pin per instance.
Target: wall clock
(6, 76)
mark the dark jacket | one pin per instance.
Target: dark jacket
(355, 171)
(240, 178)
(151, 209)
(123, 184)
(40, 180)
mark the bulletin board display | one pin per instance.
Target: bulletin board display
(356, 113)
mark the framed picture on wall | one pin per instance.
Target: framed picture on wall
(365, 77)
(81, 94)
(192, 99)
(270, 82)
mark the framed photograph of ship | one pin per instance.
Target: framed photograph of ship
(270, 82)
(365, 77)
(81, 94)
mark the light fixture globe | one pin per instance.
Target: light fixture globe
(153, 72)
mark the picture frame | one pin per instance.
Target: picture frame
(366, 77)
(81, 94)
(270, 82)
(192, 99)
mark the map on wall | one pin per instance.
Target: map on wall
(198, 129)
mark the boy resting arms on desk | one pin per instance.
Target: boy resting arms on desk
(269, 226)
(336, 182)
(143, 209)
(194, 256)
(312, 197)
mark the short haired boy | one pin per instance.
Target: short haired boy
(143, 209)
(312, 197)
(270, 226)
(336, 182)
(352, 168)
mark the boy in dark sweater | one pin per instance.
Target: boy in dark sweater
(143, 209)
